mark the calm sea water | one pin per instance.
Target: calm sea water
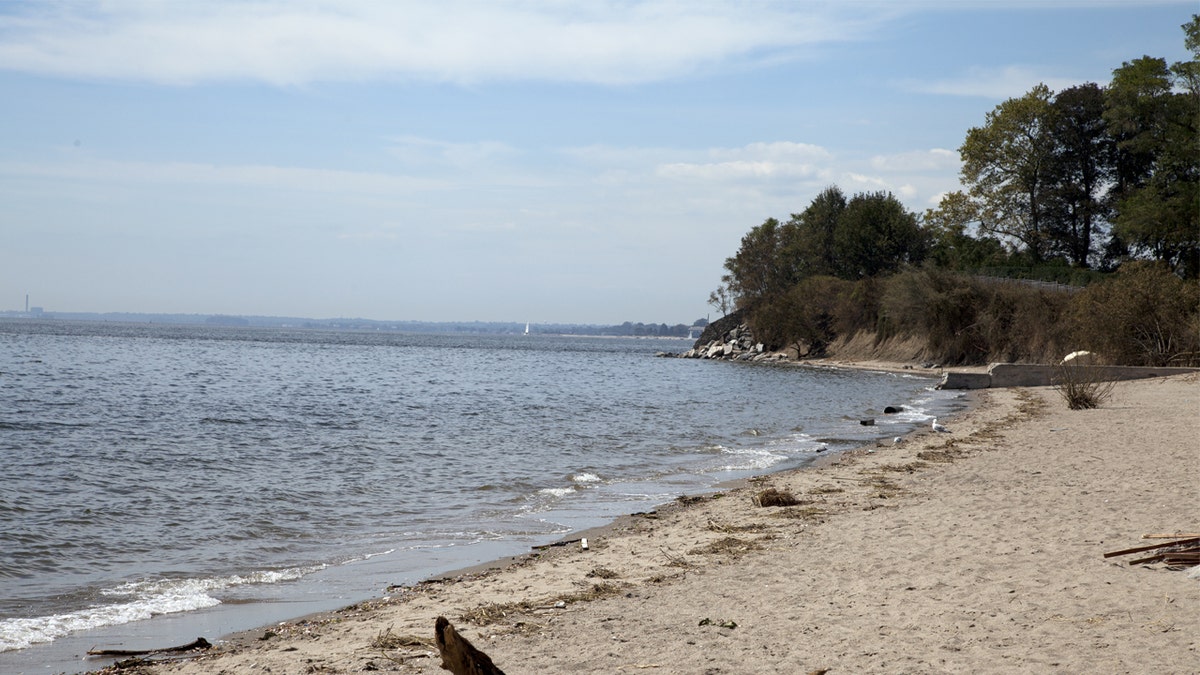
(152, 470)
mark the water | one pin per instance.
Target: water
(185, 471)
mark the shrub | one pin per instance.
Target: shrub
(1082, 386)
(1144, 315)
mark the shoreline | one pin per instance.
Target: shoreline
(881, 568)
(329, 589)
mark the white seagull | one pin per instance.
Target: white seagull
(939, 427)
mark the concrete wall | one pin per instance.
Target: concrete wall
(1037, 375)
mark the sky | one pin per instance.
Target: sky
(492, 160)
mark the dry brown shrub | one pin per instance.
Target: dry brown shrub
(1083, 387)
(1144, 316)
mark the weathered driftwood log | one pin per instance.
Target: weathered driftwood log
(459, 656)
(199, 643)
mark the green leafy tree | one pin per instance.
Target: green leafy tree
(875, 234)
(1080, 170)
(809, 236)
(1152, 113)
(951, 246)
(755, 271)
(1006, 165)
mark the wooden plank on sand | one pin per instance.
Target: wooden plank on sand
(1193, 540)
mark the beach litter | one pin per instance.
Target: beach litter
(1180, 553)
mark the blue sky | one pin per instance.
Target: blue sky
(542, 161)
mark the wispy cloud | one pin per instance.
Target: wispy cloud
(288, 43)
(993, 83)
(782, 159)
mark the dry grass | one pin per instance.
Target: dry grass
(386, 640)
(773, 497)
(486, 615)
(594, 592)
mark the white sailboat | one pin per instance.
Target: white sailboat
(527, 329)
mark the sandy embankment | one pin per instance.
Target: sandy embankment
(975, 551)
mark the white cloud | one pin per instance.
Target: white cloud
(288, 43)
(936, 159)
(994, 83)
(781, 159)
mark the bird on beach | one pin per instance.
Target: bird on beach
(897, 440)
(939, 427)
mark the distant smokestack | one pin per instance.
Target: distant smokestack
(26, 303)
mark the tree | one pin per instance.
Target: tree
(755, 270)
(875, 234)
(1080, 169)
(1005, 166)
(950, 245)
(1156, 198)
(808, 241)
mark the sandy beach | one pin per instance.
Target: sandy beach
(979, 550)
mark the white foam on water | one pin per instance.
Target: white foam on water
(135, 601)
(748, 459)
(556, 492)
(584, 477)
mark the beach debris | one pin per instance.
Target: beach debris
(198, 644)
(723, 623)
(938, 427)
(867, 422)
(563, 542)
(459, 656)
(727, 546)
(773, 497)
(897, 440)
(1180, 553)
(602, 573)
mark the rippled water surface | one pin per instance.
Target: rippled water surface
(153, 469)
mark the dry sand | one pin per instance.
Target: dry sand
(976, 551)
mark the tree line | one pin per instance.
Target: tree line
(1074, 184)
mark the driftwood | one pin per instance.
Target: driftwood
(563, 542)
(1178, 553)
(199, 643)
(1139, 549)
(459, 656)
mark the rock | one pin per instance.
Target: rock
(893, 409)
(867, 423)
